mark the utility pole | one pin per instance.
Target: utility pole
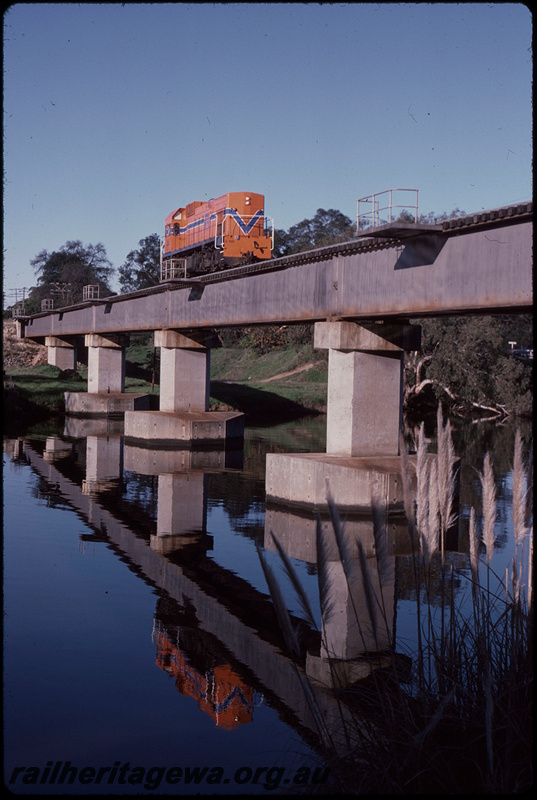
(19, 297)
(62, 289)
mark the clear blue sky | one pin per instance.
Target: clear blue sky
(116, 114)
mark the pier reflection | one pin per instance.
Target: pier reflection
(214, 632)
(348, 637)
(182, 489)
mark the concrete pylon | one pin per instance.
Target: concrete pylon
(106, 363)
(183, 414)
(106, 394)
(60, 352)
(365, 385)
(184, 372)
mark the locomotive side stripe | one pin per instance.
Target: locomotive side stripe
(245, 227)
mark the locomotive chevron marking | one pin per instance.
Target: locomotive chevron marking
(245, 227)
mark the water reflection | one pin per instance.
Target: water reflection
(195, 659)
(217, 636)
(214, 631)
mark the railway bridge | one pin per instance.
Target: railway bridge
(360, 294)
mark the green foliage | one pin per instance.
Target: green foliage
(63, 273)
(326, 227)
(470, 361)
(263, 338)
(41, 389)
(142, 266)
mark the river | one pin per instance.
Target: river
(141, 652)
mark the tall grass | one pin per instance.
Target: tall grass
(460, 720)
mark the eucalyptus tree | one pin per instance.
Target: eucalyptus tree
(62, 274)
(141, 268)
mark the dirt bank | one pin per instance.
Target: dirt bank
(20, 353)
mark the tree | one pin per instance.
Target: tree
(63, 273)
(142, 267)
(467, 361)
(326, 227)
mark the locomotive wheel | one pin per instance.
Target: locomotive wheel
(207, 260)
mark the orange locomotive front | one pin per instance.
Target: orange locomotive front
(221, 233)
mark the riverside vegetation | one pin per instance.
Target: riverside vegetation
(283, 382)
(460, 721)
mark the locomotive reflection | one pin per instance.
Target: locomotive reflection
(191, 656)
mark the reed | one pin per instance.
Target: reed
(459, 721)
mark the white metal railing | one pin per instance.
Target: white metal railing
(91, 292)
(372, 217)
(172, 268)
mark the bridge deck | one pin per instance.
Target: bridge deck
(479, 267)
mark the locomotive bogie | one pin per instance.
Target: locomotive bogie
(222, 232)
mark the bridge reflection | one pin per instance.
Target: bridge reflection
(214, 632)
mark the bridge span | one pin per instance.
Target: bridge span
(476, 264)
(360, 295)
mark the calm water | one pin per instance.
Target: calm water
(140, 649)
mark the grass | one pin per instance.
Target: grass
(237, 383)
(460, 720)
(41, 386)
(239, 380)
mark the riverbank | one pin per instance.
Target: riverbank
(285, 383)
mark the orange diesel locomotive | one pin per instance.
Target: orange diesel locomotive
(221, 233)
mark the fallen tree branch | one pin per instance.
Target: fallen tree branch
(417, 389)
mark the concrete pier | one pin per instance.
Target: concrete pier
(300, 480)
(184, 428)
(364, 415)
(106, 363)
(183, 416)
(184, 370)
(365, 385)
(111, 404)
(60, 352)
(106, 394)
